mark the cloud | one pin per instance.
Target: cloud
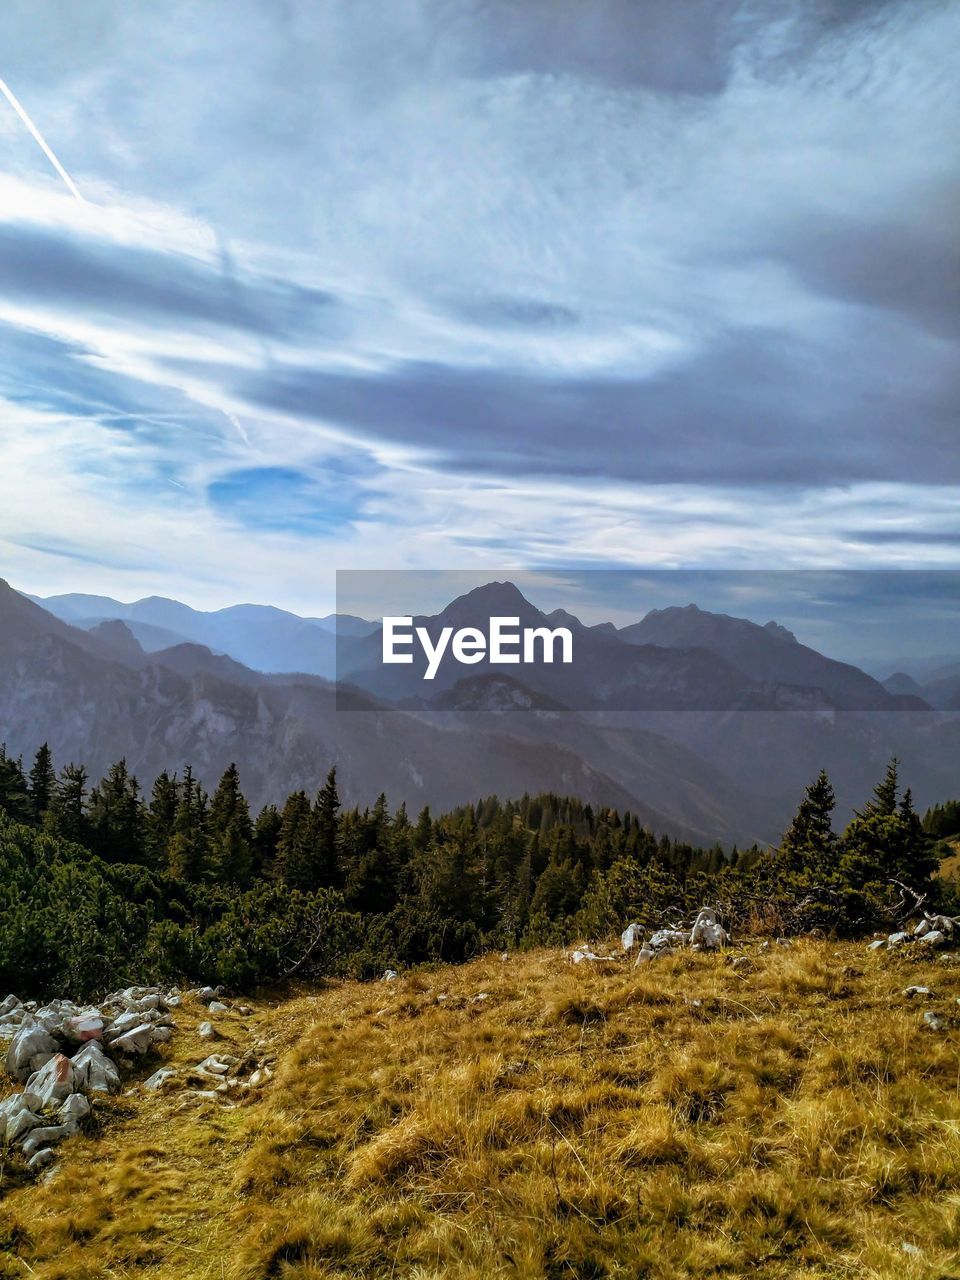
(49, 268)
(481, 281)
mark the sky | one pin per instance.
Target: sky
(475, 284)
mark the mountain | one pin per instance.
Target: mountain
(682, 735)
(766, 653)
(94, 701)
(674, 660)
(259, 636)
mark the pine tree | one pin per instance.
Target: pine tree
(326, 830)
(266, 837)
(115, 816)
(809, 843)
(160, 819)
(15, 798)
(294, 854)
(187, 852)
(230, 831)
(43, 781)
(66, 815)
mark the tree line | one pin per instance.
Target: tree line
(181, 883)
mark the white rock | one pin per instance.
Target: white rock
(631, 937)
(910, 992)
(217, 1006)
(20, 1124)
(84, 1026)
(879, 944)
(390, 975)
(53, 1082)
(136, 1041)
(668, 938)
(207, 1031)
(42, 1159)
(922, 928)
(644, 956)
(47, 1136)
(160, 1079)
(206, 994)
(74, 1109)
(93, 1070)
(706, 933)
(932, 938)
(215, 1065)
(933, 1020)
(31, 1041)
(898, 939)
(8, 1005)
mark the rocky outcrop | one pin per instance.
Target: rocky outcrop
(63, 1054)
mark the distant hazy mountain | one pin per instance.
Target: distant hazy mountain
(770, 653)
(259, 636)
(728, 772)
(674, 660)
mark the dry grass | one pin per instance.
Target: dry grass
(685, 1120)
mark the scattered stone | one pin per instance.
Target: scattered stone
(160, 1079)
(217, 1006)
(207, 1031)
(879, 944)
(644, 956)
(390, 975)
(42, 1159)
(933, 1020)
(707, 934)
(932, 938)
(898, 939)
(740, 963)
(631, 937)
(910, 992)
(8, 1005)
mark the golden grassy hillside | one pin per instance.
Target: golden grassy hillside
(791, 1117)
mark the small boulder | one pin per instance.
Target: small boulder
(932, 938)
(47, 1136)
(20, 1124)
(160, 1079)
(8, 1005)
(878, 944)
(137, 1041)
(93, 1071)
(74, 1109)
(933, 1020)
(31, 1047)
(207, 1031)
(53, 1082)
(217, 1006)
(911, 992)
(631, 937)
(41, 1160)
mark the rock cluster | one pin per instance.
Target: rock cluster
(932, 931)
(705, 934)
(63, 1054)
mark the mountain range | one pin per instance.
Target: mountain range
(706, 726)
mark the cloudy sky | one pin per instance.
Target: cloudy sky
(475, 283)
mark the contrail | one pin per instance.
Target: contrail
(11, 97)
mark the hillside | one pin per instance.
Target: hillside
(526, 1118)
